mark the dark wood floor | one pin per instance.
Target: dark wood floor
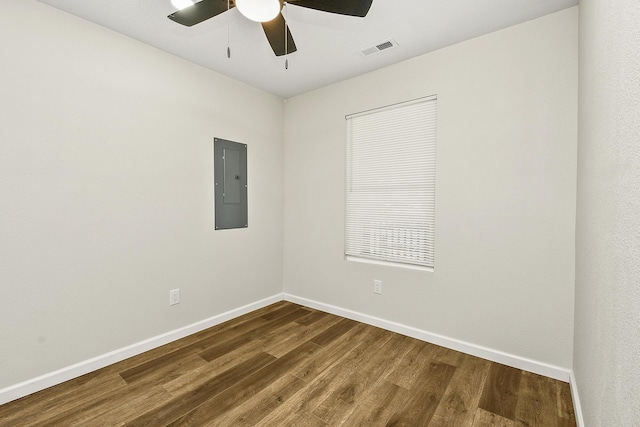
(287, 365)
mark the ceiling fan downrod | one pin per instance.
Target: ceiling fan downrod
(286, 30)
(228, 30)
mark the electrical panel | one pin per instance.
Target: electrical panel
(230, 176)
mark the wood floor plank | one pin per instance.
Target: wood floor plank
(566, 416)
(239, 354)
(168, 371)
(447, 355)
(489, 419)
(247, 387)
(118, 414)
(359, 381)
(301, 419)
(66, 396)
(424, 396)
(334, 352)
(312, 317)
(283, 310)
(177, 407)
(378, 406)
(338, 359)
(460, 401)
(405, 374)
(332, 333)
(193, 379)
(500, 393)
(168, 358)
(298, 409)
(108, 409)
(218, 350)
(537, 402)
(301, 333)
(356, 356)
(253, 410)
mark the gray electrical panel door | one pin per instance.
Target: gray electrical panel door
(230, 175)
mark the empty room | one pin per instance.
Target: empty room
(346, 213)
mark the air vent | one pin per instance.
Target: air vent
(387, 44)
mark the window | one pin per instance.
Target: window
(390, 200)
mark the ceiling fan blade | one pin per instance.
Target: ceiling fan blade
(343, 7)
(199, 12)
(274, 30)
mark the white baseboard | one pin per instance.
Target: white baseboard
(518, 362)
(577, 407)
(57, 377)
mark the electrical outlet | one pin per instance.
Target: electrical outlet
(377, 286)
(174, 296)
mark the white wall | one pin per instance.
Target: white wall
(607, 322)
(506, 186)
(106, 192)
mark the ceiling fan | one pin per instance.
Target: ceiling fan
(274, 26)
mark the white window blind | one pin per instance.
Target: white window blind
(390, 200)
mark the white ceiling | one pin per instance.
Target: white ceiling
(329, 45)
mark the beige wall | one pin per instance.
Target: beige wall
(106, 192)
(607, 322)
(506, 187)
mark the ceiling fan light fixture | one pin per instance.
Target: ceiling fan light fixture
(259, 10)
(181, 4)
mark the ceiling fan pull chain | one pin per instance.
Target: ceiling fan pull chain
(228, 30)
(286, 39)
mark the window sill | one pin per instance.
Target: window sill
(390, 264)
